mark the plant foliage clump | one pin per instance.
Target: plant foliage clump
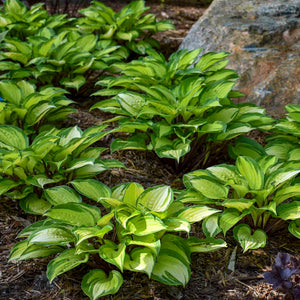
(181, 108)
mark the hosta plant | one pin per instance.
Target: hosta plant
(32, 170)
(285, 142)
(179, 108)
(135, 231)
(17, 21)
(23, 106)
(130, 27)
(67, 59)
(258, 194)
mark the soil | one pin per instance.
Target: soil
(210, 279)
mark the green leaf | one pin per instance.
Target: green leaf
(239, 204)
(76, 83)
(96, 284)
(91, 188)
(53, 234)
(210, 226)
(210, 188)
(77, 214)
(131, 193)
(140, 260)
(84, 233)
(294, 228)
(171, 268)
(280, 176)
(156, 198)
(113, 254)
(61, 194)
(229, 218)
(12, 137)
(177, 224)
(64, 262)
(131, 102)
(242, 233)
(10, 92)
(7, 184)
(23, 250)
(41, 179)
(250, 169)
(144, 225)
(150, 241)
(206, 245)
(286, 193)
(133, 143)
(32, 204)
(289, 211)
(197, 213)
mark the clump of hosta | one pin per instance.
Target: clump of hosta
(66, 59)
(180, 108)
(135, 230)
(258, 194)
(285, 142)
(23, 106)
(17, 21)
(130, 27)
(28, 169)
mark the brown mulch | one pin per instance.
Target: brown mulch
(210, 278)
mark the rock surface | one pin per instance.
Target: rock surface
(263, 37)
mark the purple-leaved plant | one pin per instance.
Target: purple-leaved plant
(283, 269)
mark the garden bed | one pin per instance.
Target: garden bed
(210, 279)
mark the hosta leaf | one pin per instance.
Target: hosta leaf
(171, 268)
(32, 204)
(156, 198)
(150, 241)
(210, 225)
(131, 103)
(135, 143)
(228, 219)
(52, 234)
(41, 179)
(239, 204)
(289, 211)
(113, 254)
(23, 250)
(177, 224)
(294, 228)
(61, 194)
(210, 188)
(96, 284)
(225, 173)
(280, 176)
(78, 214)
(7, 184)
(64, 262)
(140, 260)
(206, 245)
(84, 233)
(12, 137)
(91, 188)
(10, 92)
(242, 234)
(197, 213)
(76, 83)
(249, 168)
(286, 193)
(132, 192)
(144, 225)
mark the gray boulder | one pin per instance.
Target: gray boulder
(263, 37)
